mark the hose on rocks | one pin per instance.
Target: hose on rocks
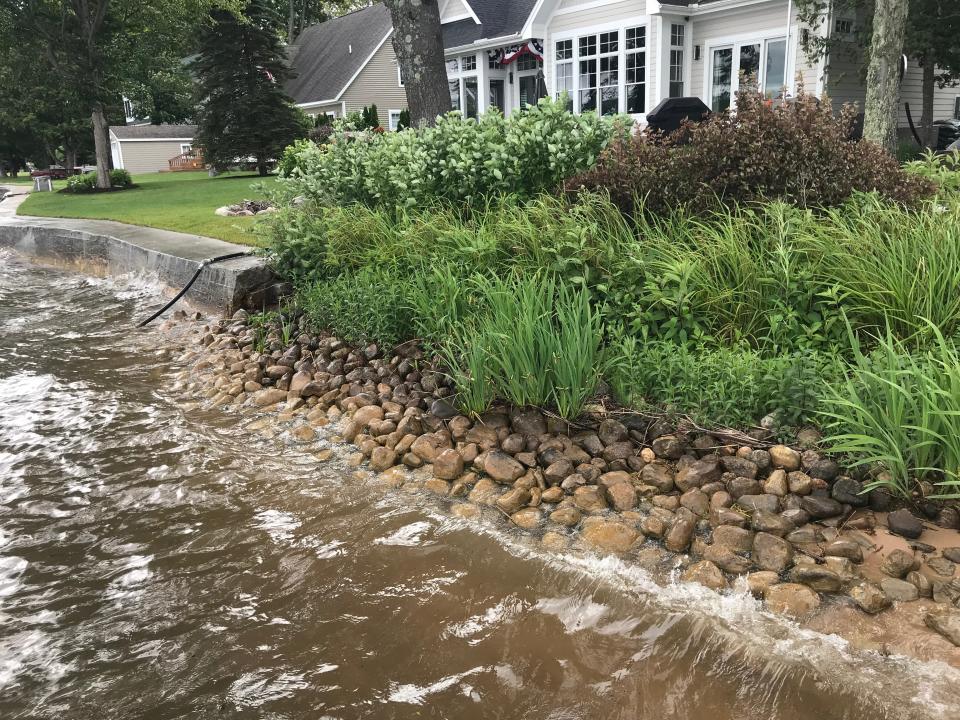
(208, 261)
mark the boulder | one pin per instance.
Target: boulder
(612, 431)
(869, 598)
(382, 458)
(528, 518)
(726, 559)
(899, 590)
(946, 622)
(610, 536)
(898, 563)
(621, 496)
(849, 491)
(680, 533)
(705, 573)
(501, 467)
(797, 601)
(513, 500)
(697, 474)
(589, 498)
(785, 458)
(659, 475)
(821, 507)
(735, 538)
(759, 582)
(448, 465)
(904, 523)
(771, 552)
(566, 516)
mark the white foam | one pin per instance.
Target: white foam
(416, 694)
(408, 536)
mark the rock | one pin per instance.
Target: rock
(382, 458)
(796, 516)
(589, 498)
(558, 471)
(528, 518)
(949, 517)
(903, 522)
(529, 423)
(442, 409)
(698, 474)
(821, 507)
(513, 500)
(437, 486)
(921, 582)
(705, 573)
(945, 622)
(554, 541)
(776, 484)
(485, 492)
(800, 483)
(668, 446)
(849, 491)
(946, 592)
(808, 438)
(501, 467)
(621, 496)
(727, 516)
(869, 597)
(428, 447)
(611, 431)
(845, 549)
(303, 433)
(763, 502)
(785, 458)
(573, 482)
(659, 475)
(899, 590)
(898, 563)
(448, 465)
(759, 582)
(763, 521)
(735, 538)
(618, 451)
(739, 466)
(567, 516)
(726, 559)
(270, 396)
(367, 414)
(822, 468)
(610, 536)
(818, 577)
(771, 552)
(680, 533)
(740, 486)
(797, 601)
(696, 502)
(942, 566)
(806, 535)
(552, 495)
(952, 554)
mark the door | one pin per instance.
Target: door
(721, 85)
(530, 89)
(497, 96)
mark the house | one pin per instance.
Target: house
(153, 148)
(609, 56)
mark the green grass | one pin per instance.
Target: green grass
(182, 201)
(21, 179)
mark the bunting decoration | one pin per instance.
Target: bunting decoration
(507, 55)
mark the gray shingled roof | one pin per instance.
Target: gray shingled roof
(322, 57)
(153, 132)
(498, 18)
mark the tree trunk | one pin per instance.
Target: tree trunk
(883, 76)
(69, 157)
(101, 143)
(928, 133)
(262, 169)
(419, 47)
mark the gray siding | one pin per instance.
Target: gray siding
(149, 156)
(377, 84)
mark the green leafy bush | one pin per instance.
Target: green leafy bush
(288, 161)
(88, 181)
(459, 160)
(944, 169)
(120, 178)
(900, 408)
(718, 386)
(798, 152)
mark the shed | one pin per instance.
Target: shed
(149, 148)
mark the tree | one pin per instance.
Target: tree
(880, 109)
(419, 47)
(97, 49)
(240, 71)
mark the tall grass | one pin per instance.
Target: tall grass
(901, 410)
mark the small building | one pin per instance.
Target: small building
(153, 148)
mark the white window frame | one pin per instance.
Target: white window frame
(956, 107)
(735, 43)
(460, 76)
(620, 26)
(185, 147)
(680, 48)
(393, 124)
(399, 76)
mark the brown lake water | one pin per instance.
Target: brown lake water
(157, 562)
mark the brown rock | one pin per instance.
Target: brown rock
(696, 502)
(483, 435)
(485, 492)
(567, 516)
(946, 622)
(668, 446)
(621, 496)
(658, 475)
(611, 431)
(270, 396)
(501, 467)
(797, 601)
(589, 498)
(367, 414)
(771, 552)
(898, 563)
(513, 500)
(609, 536)
(726, 559)
(759, 582)
(552, 495)
(528, 518)
(899, 590)
(800, 483)
(735, 538)
(558, 471)
(846, 549)
(680, 533)
(705, 573)
(768, 522)
(382, 458)
(698, 474)
(869, 598)
(784, 457)
(428, 446)
(448, 465)
(438, 486)
(777, 483)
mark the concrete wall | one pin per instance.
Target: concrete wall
(146, 156)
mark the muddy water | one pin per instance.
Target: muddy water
(157, 562)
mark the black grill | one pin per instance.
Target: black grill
(670, 114)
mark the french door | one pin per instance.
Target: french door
(746, 66)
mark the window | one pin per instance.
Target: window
(470, 97)
(496, 98)
(527, 62)
(468, 62)
(454, 94)
(394, 119)
(956, 108)
(721, 79)
(564, 70)
(463, 83)
(399, 76)
(636, 59)
(677, 36)
(128, 108)
(185, 148)
(453, 66)
(775, 76)
(757, 65)
(493, 63)
(843, 26)
(600, 72)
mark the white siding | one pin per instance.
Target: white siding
(453, 8)
(149, 156)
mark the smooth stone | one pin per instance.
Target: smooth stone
(608, 536)
(952, 554)
(777, 483)
(448, 465)
(528, 518)
(622, 496)
(705, 573)
(942, 566)
(697, 474)
(501, 467)
(589, 498)
(680, 533)
(763, 521)
(845, 549)
(800, 483)
(726, 559)
(904, 523)
(512, 500)
(870, 598)
(921, 582)
(735, 538)
(759, 582)
(849, 491)
(566, 516)
(899, 590)
(818, 577)
(797, 601)
(946, 622)
(382, 458)
(898, 563)
(764, 502)
(485, 492)
(771, 552)
(784, 457)
(821, 507)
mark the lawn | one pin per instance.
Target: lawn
(182, 201)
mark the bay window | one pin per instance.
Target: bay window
(463, 82)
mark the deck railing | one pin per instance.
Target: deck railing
(189, 160)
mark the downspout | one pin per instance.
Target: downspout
(786, 52)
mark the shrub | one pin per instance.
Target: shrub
(88, 181)
(900, 410)
(120, 178)
(463, 161)
(798, 152)
(288, 160)
(717, 386)
(944, 170)
(403, 122)
(362, 306)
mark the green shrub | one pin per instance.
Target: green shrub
(900, 409)
(403, 122)
(120, 178)
(459, 160)
(798, 152)
(717, 386)
(288, 161)
(88, 181)
(944, 169)
(362, 306)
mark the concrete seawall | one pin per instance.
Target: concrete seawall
(102, 247)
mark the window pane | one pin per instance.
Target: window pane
(609, 100)
(470, 95)
(636, 67)
(588, 73)
(609, 70)
(776, 74)
(676, 89)
(452, 66)
(496, 94)
(588, 45)
(636, 98)
(609, 42)
(564, 49)
(676, 35)
(588, 100)
(749, 66)
(454, 94)
(468, 63)
(527, 62)
(676, 73)
(636, 38)
(722, 77)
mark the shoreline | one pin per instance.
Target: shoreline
(693, 509)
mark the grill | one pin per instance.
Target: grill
(670, 114)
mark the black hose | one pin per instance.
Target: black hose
(186, 287)
(913, 129)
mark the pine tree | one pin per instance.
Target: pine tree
(244, 110)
